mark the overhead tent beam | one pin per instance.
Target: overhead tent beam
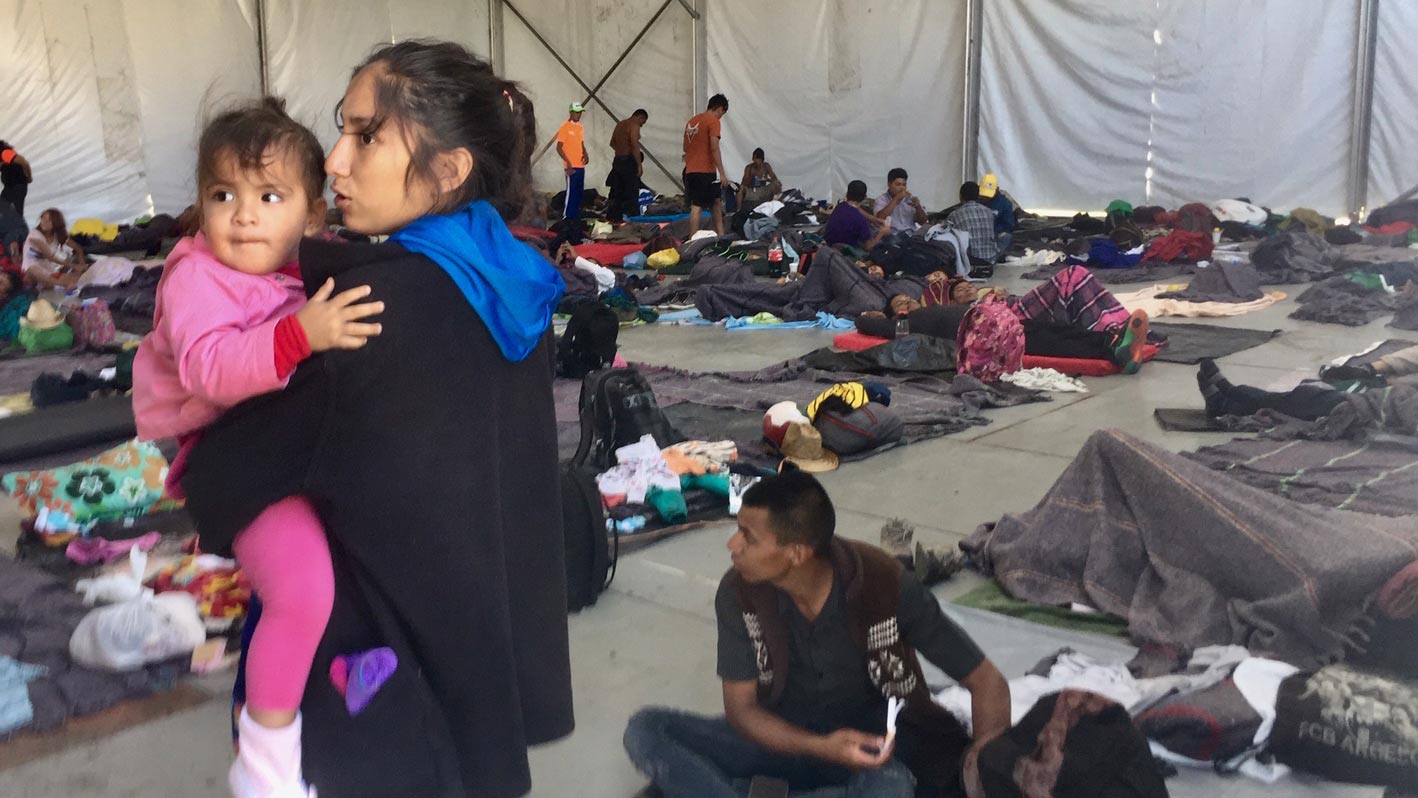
(970, 127)
(496, 44)
(700, 57)
(261, 47)
(1363, 114)
(591, 92)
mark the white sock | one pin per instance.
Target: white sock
(268, 762)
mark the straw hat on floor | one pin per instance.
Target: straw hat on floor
(42, 315)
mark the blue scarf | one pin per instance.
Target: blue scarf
(513, 288)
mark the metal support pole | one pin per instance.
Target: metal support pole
(261, 46)
(590, 92)
(970, 118)
(1363, 113)
(496, 46)
(701, 57)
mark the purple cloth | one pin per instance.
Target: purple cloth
(366, 672)
(846, 225)
(92, 551)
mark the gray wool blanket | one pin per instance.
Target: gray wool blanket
(834, 284)
(38, 614)
(1376, 474)
(929, 406)
(1190, 557)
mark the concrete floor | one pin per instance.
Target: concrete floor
(650, 640)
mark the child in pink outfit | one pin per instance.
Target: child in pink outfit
(232, 322)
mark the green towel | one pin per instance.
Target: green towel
(669, 504)
(992, 598)
(717, 484)
(58, 339)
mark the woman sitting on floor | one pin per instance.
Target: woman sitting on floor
(1072, 315)
(52, 259)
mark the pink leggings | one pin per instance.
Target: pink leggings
(285, 555)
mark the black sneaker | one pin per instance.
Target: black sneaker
(1211, 384)
(982, 272)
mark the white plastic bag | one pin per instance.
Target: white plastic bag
(127, 636)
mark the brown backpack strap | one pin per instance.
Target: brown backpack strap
(769, 636)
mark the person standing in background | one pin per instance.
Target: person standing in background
(627, 168)
(703, 162)
(571, 146)
(15, 177)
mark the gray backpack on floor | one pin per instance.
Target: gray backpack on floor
(870, 426)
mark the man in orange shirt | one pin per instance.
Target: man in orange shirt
(571, 146)
(703, 163)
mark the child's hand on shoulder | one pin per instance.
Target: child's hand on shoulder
(334, 322)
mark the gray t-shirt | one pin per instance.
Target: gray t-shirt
(903, 216)
(828, 687)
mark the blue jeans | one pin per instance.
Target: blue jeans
(575, 187)
(1004, 240)
(692, 756)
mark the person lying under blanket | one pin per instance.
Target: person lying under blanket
(1072, 315)
(1385, 396)
(1190, 556)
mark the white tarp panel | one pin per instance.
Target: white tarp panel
(105, 98)
(1254, 99)
(590, 35)
(71, 108)
(1220, 98)
(1064, 92)
(857, 88)
(312, 46)
(182, 79)
(1393, 142)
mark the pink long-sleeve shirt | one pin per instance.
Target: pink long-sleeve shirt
(212, 344)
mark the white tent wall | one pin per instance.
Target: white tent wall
(590, 35)
(1255, 100)
(1078, 103)
(72, 110)
(183, 79)
(1063, 90)
(1393, 143)
(861, 88)
(1220, 98)
(313, 45)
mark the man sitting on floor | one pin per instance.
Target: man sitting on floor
(814, 634)
(898, 206)
(850, 224)
(1003, 208)
(979, 222)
